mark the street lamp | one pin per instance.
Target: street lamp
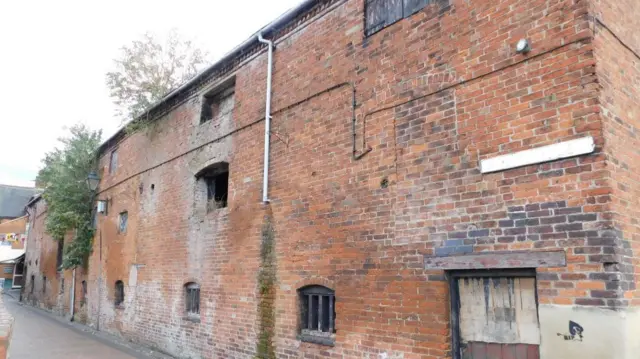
(93, 181)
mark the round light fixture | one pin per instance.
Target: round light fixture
(523, 46)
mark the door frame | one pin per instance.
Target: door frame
(454, 295)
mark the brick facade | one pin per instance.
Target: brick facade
(434, 94)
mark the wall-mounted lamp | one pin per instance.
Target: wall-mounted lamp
(93, 181)
(523, 46)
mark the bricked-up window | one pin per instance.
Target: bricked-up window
(216, 180)
(218, 103)
(60, 253)
(192, 299)
(113, 162)
(123, 218)
(119, 293)
(317, 314)
(382, 13)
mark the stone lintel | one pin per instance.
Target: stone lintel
(498, 260)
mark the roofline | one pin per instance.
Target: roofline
(15, 219)
(23, 187)
(34, 199)
(266, 31)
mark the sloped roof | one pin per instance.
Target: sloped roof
(13, 199)
(10, 255)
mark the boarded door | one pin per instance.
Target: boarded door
(498, 318)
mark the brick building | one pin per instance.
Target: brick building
(44, 280)
(433, 192)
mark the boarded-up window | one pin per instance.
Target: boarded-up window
(382, 13)
(498, 317)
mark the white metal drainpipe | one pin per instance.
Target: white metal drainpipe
(267, 119)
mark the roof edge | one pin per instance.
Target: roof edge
(267, 31)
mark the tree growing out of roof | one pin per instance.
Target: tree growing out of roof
(148, 69)
(68, 198)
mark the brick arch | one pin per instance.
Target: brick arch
(315, 280)
(201, 162)
(191, 280)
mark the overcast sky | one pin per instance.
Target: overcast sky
(56, 53)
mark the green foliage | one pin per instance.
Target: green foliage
(266, 286)
(148, 69)
(68, 198)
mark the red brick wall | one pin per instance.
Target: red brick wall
(40, 261)
(436, 93)
(617, 44)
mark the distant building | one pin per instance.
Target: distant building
(14, 229)
(13, 200)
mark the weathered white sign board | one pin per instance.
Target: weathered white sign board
(542, 154)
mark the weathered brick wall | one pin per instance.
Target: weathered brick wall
(617, 42)
(40, 261)
(436, 93)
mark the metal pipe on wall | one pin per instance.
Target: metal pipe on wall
(73, 294)
(267, 118)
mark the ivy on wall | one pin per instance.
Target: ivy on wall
(267, 292)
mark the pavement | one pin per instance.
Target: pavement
(42, 335)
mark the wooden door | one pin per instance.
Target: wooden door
(498, 318)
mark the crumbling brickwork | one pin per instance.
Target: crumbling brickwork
(429, 97)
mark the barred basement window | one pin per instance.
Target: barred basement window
(192, 299)
(317, 315)
(119, 293)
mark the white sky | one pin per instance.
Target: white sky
(56, 55)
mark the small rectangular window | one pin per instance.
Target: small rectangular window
(122, 222)
(8, 269)
(119, 293)
(44, 284)
(217, 191)
(192, 300)
(33, 283)
(317, 314)
(60, 254)
(94, 218)
(218, 103)
(216, 182)
(113, 162)
(382, 13)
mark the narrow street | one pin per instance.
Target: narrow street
(37, 335)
